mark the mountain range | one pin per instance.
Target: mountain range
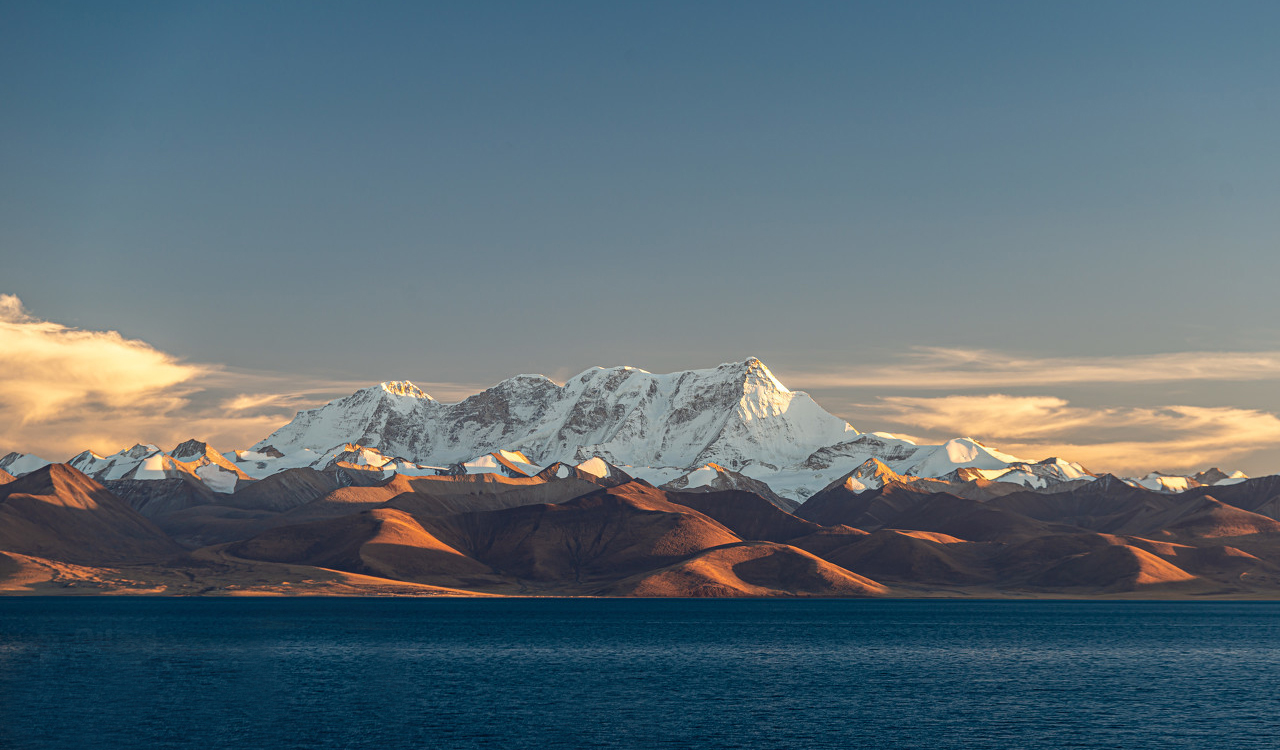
(621, 482)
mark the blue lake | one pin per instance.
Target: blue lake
(565, 673)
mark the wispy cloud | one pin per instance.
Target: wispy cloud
(933, 368)
(51, 371)
(1116, 439)
(64, 389)
(258, 390)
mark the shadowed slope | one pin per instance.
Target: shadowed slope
(746, 514)
(1027, 558)
(905, 557)
(1258, 495)
(723, 479)
(969, 519)
(154, 498)
(284, 491)
(386, 543)
(1222, 562)
(872, 509)
(827, 539)
(1107, 505)
(214, 524)
(748, 569)
(59, 513)
(429, 503)
(608, 534)
(1117, 567)
(1204, 518)
(453, 493)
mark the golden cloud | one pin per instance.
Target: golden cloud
(933, 368)
(1114, 439)
(64, 390)
(53, 372)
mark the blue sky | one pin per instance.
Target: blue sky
(454, 193)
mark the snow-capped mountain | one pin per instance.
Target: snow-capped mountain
(193, 458)
(734, 415)
(18, 464)
(737, 416)
(732, 426)
(1171, 483)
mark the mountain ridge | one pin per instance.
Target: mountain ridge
(731, 426)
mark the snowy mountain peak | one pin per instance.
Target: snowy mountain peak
(18, 464)
(734, 414)
(757, 374)
(141, 451)
(190, 450)
(872, 474)
(404, 388)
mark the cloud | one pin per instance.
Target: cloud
(933, 368)
(64, 390)
(52, 371)
(265, 391)
(1115, 439)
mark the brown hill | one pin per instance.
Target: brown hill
(969, 519)
(727, 479)
(869, 510)
(1113, 568)
(347, 500)
(827, 539)
(429, 502)
(852, 498)
(454, 493)
(284, 491)
(5, 477)
(59, 513)
(903, 557)
(1025, 559)
(1205, 518)
(156, 497)
(746, 514)
(1107, 505)
(204, 525)
(1269, 507)
(603, 536)
(873, 479)
(748, 569)
(1222, 562)
(385, 543)
(245, 517)
(1258, 495)
(930, 536)
(609, 534)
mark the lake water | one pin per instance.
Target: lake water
(520, 673)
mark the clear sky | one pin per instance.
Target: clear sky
(1010, 220)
